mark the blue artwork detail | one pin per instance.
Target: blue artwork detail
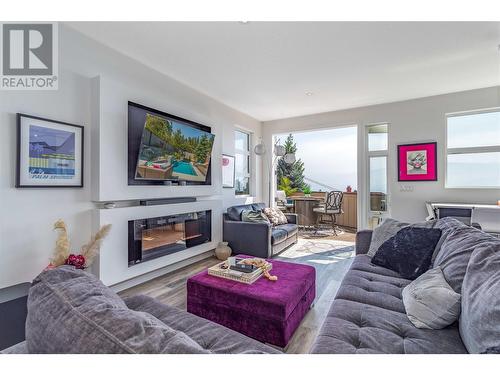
(51, 153)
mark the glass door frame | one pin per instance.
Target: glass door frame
(368, 214)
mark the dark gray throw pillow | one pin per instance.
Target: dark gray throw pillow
(386, 230)
(409, 252)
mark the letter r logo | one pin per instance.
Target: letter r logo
(27, 49)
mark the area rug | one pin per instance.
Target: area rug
(330, 258)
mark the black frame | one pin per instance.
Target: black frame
(133, 146)
(234, 171)
(435, 160)
(18, 156)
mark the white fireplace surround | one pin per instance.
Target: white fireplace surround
(112, 264)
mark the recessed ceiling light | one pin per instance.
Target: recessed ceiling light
(309, 93)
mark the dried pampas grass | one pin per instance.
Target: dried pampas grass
(61, 251)
(90, 250)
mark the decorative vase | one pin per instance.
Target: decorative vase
(348, 189)
(223, 251)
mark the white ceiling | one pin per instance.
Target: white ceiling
(265, 69)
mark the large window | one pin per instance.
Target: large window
(473, 150)
(242, 162)
(377, 172)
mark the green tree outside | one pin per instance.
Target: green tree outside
(295, 171)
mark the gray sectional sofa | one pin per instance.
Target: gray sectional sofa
(258, 239)
(368, 315)
(70, 311)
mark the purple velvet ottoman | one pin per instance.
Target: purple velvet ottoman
(268, 311)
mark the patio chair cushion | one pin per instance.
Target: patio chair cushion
(322, 210)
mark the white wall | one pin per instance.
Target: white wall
(27, 215)
(410, 121)
(26, 237)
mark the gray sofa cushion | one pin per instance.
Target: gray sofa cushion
(70, 311)
(278, 235)
(456, 250)
(290, 229)
(383, 232)
(480, 318)
(430, 302)
(373, 285)
(373, 321)
(210, 336)
(352, 327)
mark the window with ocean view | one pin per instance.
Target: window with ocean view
(473, 150)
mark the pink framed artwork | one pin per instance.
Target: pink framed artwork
(417, 162)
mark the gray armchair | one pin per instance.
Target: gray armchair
(258, 239)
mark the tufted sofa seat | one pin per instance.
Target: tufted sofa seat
(368, 316)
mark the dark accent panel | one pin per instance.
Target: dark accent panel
(156, 202)
(454, 212)
(155, 237)
(13, 312)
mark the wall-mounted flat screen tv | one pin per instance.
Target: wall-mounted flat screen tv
(167, 148)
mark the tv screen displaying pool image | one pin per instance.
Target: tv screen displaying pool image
(171, 149)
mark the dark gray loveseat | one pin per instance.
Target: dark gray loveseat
(258, 239)
(368, 315)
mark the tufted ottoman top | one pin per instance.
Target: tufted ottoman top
(273, 299)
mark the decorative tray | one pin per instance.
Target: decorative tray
(241, 277)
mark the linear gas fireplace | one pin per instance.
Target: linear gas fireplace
(159, 236)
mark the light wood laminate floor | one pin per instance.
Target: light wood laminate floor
(171, 289)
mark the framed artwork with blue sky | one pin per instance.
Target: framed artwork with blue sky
(49, 153)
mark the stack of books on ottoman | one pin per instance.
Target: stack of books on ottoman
(234, 269)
